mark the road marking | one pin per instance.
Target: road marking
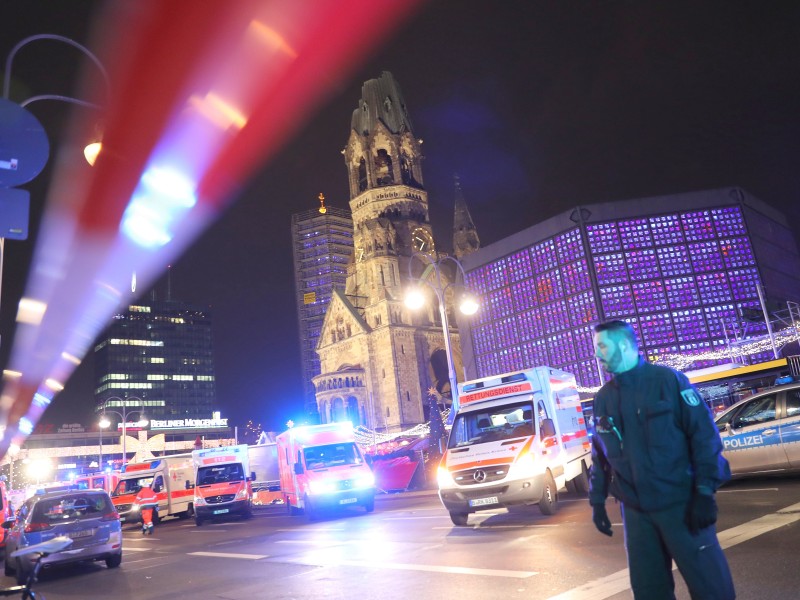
(316, 529)
(129, 549)
(618, 582)
(230, 555)
(436, 569)
(209, 530)
(748, 490)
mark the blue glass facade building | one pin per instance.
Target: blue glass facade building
(681, 269)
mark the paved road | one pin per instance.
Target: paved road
(408, 548)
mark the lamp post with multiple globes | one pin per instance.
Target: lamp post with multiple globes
(415, 298)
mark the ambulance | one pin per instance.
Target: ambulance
(517, 439)
(170, 477)
(94, 481)
(265, 479)
(321, 467)
(222, 483)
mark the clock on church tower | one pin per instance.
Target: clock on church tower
(422, 241)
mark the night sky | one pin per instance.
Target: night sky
(538, 106)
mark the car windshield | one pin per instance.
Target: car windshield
(332, 455)
(492, 424)
(132, 486)
(61, 509)
(220, 474)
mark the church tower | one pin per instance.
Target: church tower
(465, 236)
(378, 358)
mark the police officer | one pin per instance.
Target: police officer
(656, 449)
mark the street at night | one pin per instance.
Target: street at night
(408, 548)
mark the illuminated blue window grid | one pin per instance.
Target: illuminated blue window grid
(689, 324)
(674, 260)
(617, 300)
(505, 332)
(501, 302)
(610, 268)
(714, 288)
(483, 338)
(642, 264)
(548, 286)
(583, 339)
(496, 277)
(603, 237)
(531, 323)
(635, 233)
(538, 352)
(728, 221)
(743, 283)
(569, 246)
(697, 225)
(666, 230)
(582, 309)
(736, 252)
(519, 266)
(667, 256)
(706, 256)
(555, 316)
(655, 353)
(543, 256)
(523, 294)
(586, 374)
(657, 329)
(681, 292)
(649, 296)
(718, 317)
(575, 277)
(561, 349)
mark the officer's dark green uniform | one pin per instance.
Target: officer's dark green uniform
(654, 446)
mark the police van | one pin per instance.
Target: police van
(517, 438)
(761, 434)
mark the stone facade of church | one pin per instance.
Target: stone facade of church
(378, 358)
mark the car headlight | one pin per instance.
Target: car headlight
(242, 494)
(364, 481)
(525, 466)
(134, 508)
(322, 486)
(199, 501)
(444, 478)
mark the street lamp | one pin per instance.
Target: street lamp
(93, 149)
(104, 422)
(414, 299)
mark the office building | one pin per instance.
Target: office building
(322, 245)
(157, 356)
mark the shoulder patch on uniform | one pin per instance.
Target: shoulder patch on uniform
(691, 397)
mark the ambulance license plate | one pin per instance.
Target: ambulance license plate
(483, 501)
(221, 511)
(348, 500)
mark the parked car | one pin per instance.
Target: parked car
(86, 516)
(761, 434)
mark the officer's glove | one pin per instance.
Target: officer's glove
(601, 520)
(702, 511)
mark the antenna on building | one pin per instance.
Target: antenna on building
(322, 208)
(169, 283)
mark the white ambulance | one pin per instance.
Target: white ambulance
(222, 481)
(321, 467)
(170, 477)
(518, 438)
